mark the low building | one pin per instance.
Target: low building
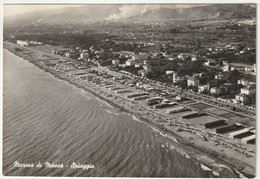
(226, 68)
(249, 139)
(243, 98)
(138, 65)
(122, 65)
(84, 55)
(143, 73)
(197, 74)
(203, 88)
(215, 90)
(177, 78)
(250, 68)
(239, 132)
(115, 62)
(72, 54)
(179, 98)
(35, 43)
(193, 58)
(147, 68)
(238, 68)
(225, 63)
(22, 43)
(67, 54)
(130, 62)
(243, 82)
(193, 81)
(248, 90)
(169, 72)
(210, 62)
(181, 56)
(219, 76)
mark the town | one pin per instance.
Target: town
(196, 78)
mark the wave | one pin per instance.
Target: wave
(205, 168)
(240, 175)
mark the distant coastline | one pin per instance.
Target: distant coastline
(199, 149)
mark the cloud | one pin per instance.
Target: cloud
(126, 11)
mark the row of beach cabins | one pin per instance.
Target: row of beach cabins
(247, 135)
(220, 126)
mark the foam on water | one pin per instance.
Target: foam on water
(205, 168)
(216, 174)
(240, 175)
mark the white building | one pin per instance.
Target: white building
(138, 65)
(219, 76)
(143, 73)
(147, 68)
(250, 68)
(130, 62)
(84, 55)
(225, 63)
(238, 68)
(178, 98)
(243, 82)
(177, 78)
(35, 43)
(22, 43)
(226, 68)
(181, 56)
(67, 54)
(193, 81)
(215, 90)
(197, 74)
(169, 72)
(243, 98)
(210, 62)
(247, 90)
(193, 59)
(202, 88)
(115, 62)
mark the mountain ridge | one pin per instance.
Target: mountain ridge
(96, 13)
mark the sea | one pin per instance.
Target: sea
(52, 128)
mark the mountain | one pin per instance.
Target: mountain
(81, 14)
(209, 12)
(96, 13)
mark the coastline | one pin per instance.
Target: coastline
(198, 149)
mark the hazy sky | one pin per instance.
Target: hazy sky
(10, 10)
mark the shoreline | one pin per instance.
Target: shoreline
(198, 149)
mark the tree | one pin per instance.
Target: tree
(233, 76)
(217, 82)
(206, 78)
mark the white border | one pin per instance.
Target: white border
(2, 2)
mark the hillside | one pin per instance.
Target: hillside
(96, 13)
